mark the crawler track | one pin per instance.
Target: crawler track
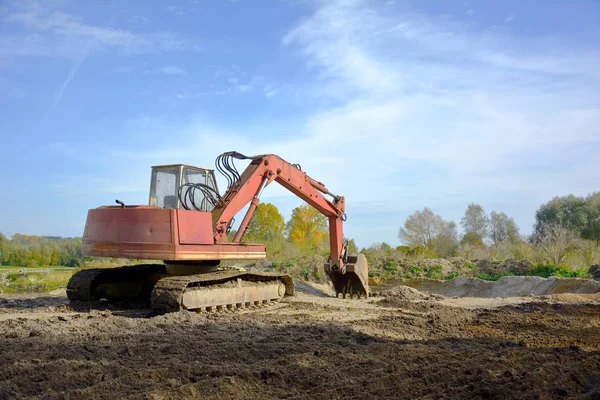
(174, 293)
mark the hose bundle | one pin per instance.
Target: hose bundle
(225, 165)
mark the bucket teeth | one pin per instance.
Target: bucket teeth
(353, 280)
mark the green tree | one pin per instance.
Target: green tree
(429, 230)
(352, 248)
(471, 239)
(475, 221)
(307, 228)
(592, 229)
(503, 229)
(577, 214)
(3, 242)
(267, 224)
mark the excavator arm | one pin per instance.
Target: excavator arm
(349, 273)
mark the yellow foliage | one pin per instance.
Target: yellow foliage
(307, 228)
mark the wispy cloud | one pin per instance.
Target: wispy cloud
(61, 90)
(169, 70)
(55, 33)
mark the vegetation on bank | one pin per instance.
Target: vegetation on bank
(36, 251)
(18, 281)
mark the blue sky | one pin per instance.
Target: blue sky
(398, 105)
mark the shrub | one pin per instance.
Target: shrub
(390, 266)
(451, 275)
(435, 272)
(494, 277)
(562, 271)
(415, 270)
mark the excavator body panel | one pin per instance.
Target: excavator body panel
(153, 233)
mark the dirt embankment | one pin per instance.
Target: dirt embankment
(507, 286)
(405, 344)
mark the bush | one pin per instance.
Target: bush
(390, 266)
(435, 272)
(451, 276)
(494, 277)
(562, 271)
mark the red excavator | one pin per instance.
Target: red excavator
(186, 225)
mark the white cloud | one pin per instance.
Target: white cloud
(55, 33)
(172, 70)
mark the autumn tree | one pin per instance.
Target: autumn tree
(266, 225)
(502, 228)
(307, 228)
(475, 223)
(429, 230)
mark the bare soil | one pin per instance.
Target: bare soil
(401, 345)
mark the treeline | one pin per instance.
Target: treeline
(35, 251)
(566, 231)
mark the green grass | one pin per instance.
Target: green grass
(494, 277)
(562, 271)
(38, 282)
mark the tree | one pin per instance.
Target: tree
(475, 221)
(2, 242)
(577, 214)
(267, 224)
(502, 228)
(556, 243)
(429, 230)
(352, 248)
(592, 230)
(307, 228)
(471, 239)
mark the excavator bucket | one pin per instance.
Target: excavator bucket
(355, 281)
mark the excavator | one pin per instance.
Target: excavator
(186, 226)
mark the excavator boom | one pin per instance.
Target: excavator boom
(262, 171)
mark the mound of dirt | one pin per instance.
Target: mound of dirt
(595, 271)
(490, 267)
(400, 295)
(428, 263)
(507, 286)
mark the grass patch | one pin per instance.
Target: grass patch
(561, 271)
(34, 282)
(494, 277)
(451, 275)
(435, 272)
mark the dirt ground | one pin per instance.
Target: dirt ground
(402, 345)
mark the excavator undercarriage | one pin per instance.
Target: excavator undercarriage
(225, 289)
(186, 226)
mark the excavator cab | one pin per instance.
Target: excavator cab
(172, 186)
